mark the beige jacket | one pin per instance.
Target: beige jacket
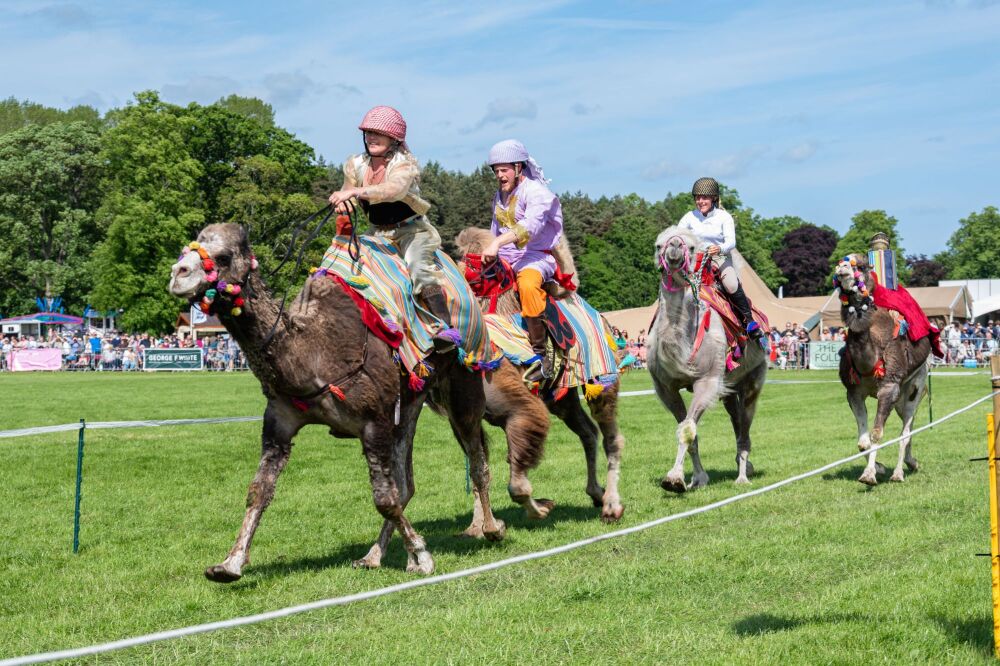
(401, 183)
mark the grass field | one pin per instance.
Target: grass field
(823, 571)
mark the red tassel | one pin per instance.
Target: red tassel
(416, 383)
(335, 390)
(879, 370)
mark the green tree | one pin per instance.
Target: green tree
(152, 208)
(864, 225)
(619, 271)
(249, 107)
(974, 249)
(49, 178)
(15, 115)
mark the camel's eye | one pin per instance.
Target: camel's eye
(224, 259)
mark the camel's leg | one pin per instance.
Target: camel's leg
(465, 407)
(525, 422)
(856, 401)
(671, 398)
(887, 396)
(571, 412)
(379, 441)
(705, 393)
(906, 408)
(402, 457)
(276, 446)
(604, 409)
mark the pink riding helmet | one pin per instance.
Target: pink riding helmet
(385, 120)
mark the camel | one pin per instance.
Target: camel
(318, 363)
(511, 406)
(876, 364)
(676, 362)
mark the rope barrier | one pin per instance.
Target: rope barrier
(464, 573)
(104, 425)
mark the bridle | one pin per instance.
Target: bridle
(683, 270)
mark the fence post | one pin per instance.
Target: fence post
(79, 482)
(992, 421)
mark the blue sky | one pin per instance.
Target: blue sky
(811, 109)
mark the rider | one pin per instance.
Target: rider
(527, 223)
(714, 226)
(385, 180)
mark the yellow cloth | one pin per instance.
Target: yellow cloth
(529, 286)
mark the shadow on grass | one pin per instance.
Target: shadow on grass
(765, 623)
(716, 476)
(976, 632)
(442, 536)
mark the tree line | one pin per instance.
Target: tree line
(96, 208)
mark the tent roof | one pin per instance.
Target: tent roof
(984, 306)
(44, 318)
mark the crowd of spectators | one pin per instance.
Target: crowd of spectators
(115, 351)
(970, 343)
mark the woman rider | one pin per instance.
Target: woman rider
(715, 227)
(385, 179)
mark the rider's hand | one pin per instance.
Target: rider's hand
(714, 250)
(341, 196)
(490, 253)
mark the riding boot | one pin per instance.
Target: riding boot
(537, 332)
(447, 338)
(742, 304)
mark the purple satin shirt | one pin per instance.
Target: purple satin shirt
(534, 208)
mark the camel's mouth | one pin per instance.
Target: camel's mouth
(187, 278)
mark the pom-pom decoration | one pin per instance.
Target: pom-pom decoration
(212, 276)
(236, 312)
(238, 301)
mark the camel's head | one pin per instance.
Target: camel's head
(473, 239)
(852, 277)
(675, 249)
(215, 268)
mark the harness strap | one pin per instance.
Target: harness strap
(700, 337)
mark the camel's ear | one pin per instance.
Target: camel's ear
(244, 240)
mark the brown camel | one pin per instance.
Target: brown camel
(511, 406)
(877, 364)
(318, 363)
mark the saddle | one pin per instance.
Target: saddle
(711, 293)
(498, 277)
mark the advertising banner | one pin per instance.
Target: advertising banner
(172, 359)
(22, 360)
(825, 355)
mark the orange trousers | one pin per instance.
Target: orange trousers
(529, 286)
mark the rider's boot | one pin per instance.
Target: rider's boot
(447, 338)
(745, 313)
(537, 332)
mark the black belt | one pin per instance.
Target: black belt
(395, 225)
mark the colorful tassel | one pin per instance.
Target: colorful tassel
(560, 393)
(592, 391)
(337, 392)
(358, 281)
(416, 383)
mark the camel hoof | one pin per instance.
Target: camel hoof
(612, 513)
(366, 563)
(673, 485)
(750, 469)
(880, 469)
(897, 476)
(698, 482)
(420, 563)
(912, 466)
(868, 478)
(539, 509)
(742, 481)
(596, 496)
(218, 573)
(499, 533)
(471, 533)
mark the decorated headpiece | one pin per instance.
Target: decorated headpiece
(850, 263)
(218, 288)
(512, 151)
(386, 120)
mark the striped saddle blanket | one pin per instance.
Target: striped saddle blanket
(736, 337)
(591, 359)
(380, 276)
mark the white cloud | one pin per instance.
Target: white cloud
(203, 89)
(507, 109)
(800, 152)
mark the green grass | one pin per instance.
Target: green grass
(823, 571)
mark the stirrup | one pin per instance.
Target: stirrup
(754, 330)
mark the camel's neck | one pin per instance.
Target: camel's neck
(253, 326)
(677, 322)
